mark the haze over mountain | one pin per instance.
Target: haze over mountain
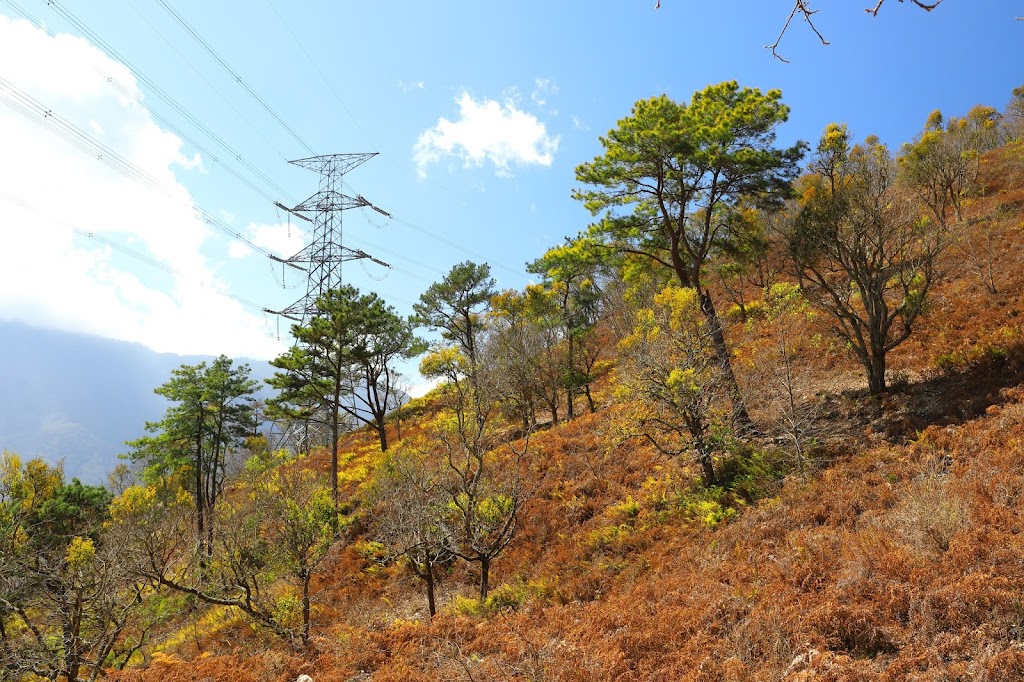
(78, 397)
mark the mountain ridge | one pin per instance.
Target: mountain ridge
(78, 397)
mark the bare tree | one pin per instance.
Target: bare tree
(482, 472)
(525, 349)
(794, 416)
(803, 10)
(69, 608)
(410, 509)
(941, 164)
(398, 397)
(979, 246)
(515, 350)
(1013, 117)
(278, 527)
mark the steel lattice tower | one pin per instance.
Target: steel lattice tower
(321, 260)
(323, 257)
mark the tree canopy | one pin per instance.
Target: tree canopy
(213, 412)
(861, 249)
(342, 363)
(673, 177)
(455, 305)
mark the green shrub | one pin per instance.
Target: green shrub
(628, 508)
(751, 473)
(370, 550)
(467, 606)
(709, 506)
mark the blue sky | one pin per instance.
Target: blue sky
(479, 112)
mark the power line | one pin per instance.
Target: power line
(72, 19)
(234, 74)
(455, 245)
(419, 228)
(447, 242)
(47, 118)
(320, 73)
(395, 254)
(223, 63)
(202, 77)
(432, 234)
(24, 15)
(202, 150)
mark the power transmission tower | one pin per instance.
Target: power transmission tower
(323, 257)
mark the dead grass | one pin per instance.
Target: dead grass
(902, 558)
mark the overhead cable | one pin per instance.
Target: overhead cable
(153, 87)
(47, 118)
(234, 74)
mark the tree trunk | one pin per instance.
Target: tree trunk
(382, 433)
(740, 417)
(429, 578)
(335, 417)
(707, 467)
(590, 398)
(306, 575)
(209, 534)
(71, 629)
(200, 482)
(876, 373)
(200, 504)
(570, 387)
(704, 458)
(213, 486)
(485, 569)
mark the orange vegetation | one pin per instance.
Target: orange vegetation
(901, 558)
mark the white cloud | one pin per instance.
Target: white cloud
(238, 250)
(195, 162)
(421, 389)
(543, 90)
(409, 87)
(52, 196)
(282, 240)
(487, 131)
(578, 123)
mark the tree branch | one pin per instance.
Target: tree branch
(806, 12)
(926, 6)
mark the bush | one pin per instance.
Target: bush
(628, 508)
(751, 473)
(931, 513)
(370, 550)
(709, 506)
(506, 597)
(467, 606)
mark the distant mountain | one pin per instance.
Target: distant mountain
(79, 398)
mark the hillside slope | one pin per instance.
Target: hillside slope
(900, 558)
